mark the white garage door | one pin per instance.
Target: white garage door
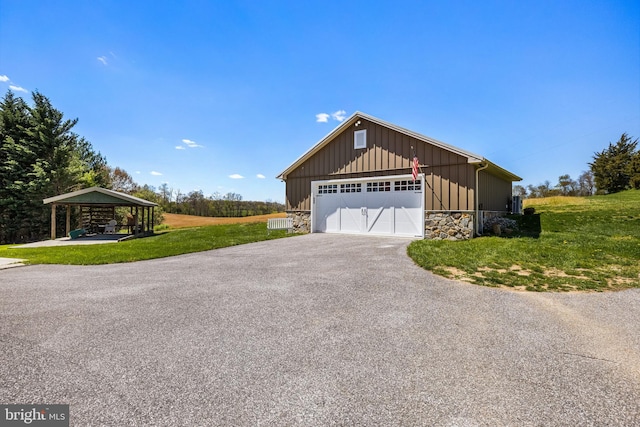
(383, 206)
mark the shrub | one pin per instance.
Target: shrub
(504, 223)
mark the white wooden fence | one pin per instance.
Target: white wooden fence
(280, 224)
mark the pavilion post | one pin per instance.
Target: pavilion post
(68, 219)
(135, 231)
(53, 221)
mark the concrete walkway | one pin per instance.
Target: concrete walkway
(10, 262)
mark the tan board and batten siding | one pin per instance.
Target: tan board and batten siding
(449, 172)
(495, 192)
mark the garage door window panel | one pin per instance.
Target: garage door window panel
(407, 185)
(376, 187)
(328, 189)
(351, 188)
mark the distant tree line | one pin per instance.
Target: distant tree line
(194, 202)
(41, 157)
(566, 186)
(613, 169)
(218, 205)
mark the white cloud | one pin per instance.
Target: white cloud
(154, 173)
(17, 88)
(322, 117)
(180, 147)
(236, 176)
(138, 172)
(260, 176)
(339, 115)
(103, 59)
(191, 144)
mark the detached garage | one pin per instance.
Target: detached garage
(359, 179)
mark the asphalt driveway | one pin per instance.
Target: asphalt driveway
(312, 330)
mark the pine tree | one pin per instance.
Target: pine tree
(614, 167)
(40, 157)
(634, 180)
(16, 157)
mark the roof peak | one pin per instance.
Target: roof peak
(472, 157)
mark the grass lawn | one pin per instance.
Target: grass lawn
(581, 243)
(163, 244)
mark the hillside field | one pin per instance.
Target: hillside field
(182, 221)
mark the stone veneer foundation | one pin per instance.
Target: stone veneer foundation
(446, 225)
(301, 221)
(439, 225)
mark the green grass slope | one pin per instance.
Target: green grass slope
(581, 243)
(176, 242)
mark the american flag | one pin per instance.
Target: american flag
(415, 168)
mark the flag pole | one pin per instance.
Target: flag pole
(415, 157)
(415, 165)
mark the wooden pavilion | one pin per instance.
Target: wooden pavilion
(98, 207)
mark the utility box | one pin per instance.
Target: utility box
(516, 205)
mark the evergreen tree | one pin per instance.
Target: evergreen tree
(16, 157)
(614, 167)
(634, 180)
(40, 157)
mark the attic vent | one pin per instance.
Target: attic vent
(360, 139)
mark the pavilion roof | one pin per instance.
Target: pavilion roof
(98, 196)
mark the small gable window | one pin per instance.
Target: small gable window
(360, 139)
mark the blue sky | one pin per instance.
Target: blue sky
(221, 96)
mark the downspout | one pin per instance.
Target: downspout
(477, 197)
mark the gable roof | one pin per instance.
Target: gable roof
(98, 196)
(471, 157)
